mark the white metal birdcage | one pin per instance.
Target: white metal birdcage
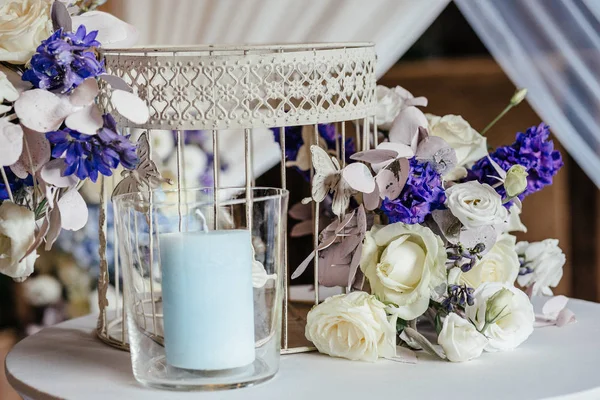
(217, 88)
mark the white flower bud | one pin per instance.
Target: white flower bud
(518, 97)
(516, 180)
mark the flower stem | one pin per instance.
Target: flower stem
(35, 186)
(498, 117)
(5, 179)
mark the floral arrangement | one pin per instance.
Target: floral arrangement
(422, 238)
(53, 136)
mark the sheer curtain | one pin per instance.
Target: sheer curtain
(551, 47)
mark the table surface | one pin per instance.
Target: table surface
(67, 361)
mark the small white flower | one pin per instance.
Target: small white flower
(515, 182)
(353, 326)
(475, 204)
(389, 103)
(404, 265)
(7, 93)
(193, 165)
(513, 222)
(460, 339)
(23, 26)
(500, 264)
(42, 290)
(503, 314)
(469, 145)
(17, 233)
(162, 143)
(546, 260)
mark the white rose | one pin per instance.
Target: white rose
(42, 290)
(505, 317)
(546, 260)
(353, 326)
(17, 233)
(389, 103)
(7, 93)
(500, 264)
(404, 265)
(476, 204)
(460, 339)
(469, 145)
(23, 26)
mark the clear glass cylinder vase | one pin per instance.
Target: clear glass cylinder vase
(203, 284)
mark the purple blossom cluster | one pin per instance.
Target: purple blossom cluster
(88, 155)
(422, 194)
(533, 150)
(64, 60)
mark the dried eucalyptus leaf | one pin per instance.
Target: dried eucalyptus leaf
(61, 17)
(424, 343)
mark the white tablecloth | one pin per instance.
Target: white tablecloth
(68, 362)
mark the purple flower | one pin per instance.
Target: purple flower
(64, 60)
(88, 155)
(422, 194)
(533, 150)
(459, 296)
(14, 182)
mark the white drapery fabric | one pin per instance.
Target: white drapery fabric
(551, 47)
(393, 25)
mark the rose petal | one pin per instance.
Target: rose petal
(87, 120)
(554, 306)
(565, 317)
(39, 150)
(11, 137)
(41, 110)
(359, 177)
(52, 173)
(84, 94)
(60, 17)
(130, 106)
(73, 210)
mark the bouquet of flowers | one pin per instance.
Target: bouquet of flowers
(53, 136)
(423, 234)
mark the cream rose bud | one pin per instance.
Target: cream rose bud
(353, 326)
(460, 339)
(500, 264)
(543, 265)
(516, 180)
(476, 204)
(23, 26)
(404, 265)
(17, 233)
(503, 314)
(469, 145)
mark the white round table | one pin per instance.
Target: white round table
(67, 361)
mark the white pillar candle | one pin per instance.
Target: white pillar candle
(207, 299)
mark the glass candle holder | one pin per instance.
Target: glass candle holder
(203, 280)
